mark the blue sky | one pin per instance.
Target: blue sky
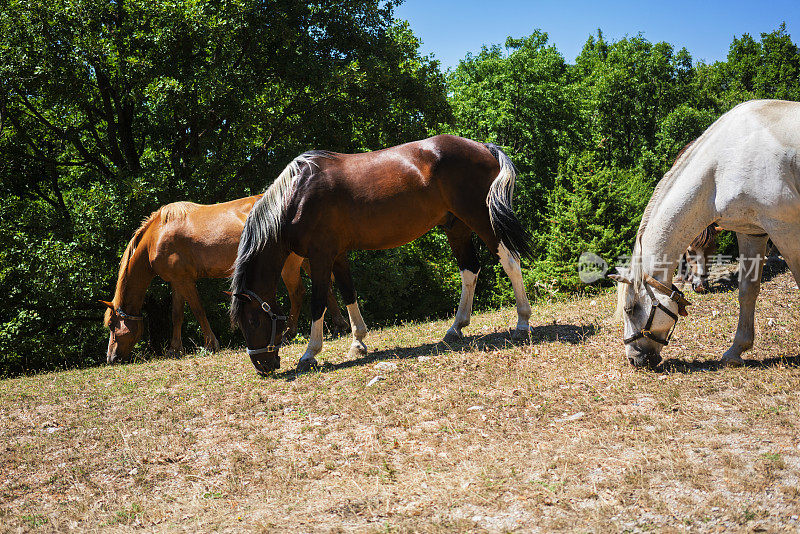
(449, 28)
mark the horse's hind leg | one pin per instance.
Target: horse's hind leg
(189, 291)
(512, 268)
(751, 261)
(459, 235)
(344, 281)
(478, 221)
(338, 321)
(340, 325)
(176, 344)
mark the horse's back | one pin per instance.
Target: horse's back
(362, 199)
(198, 240)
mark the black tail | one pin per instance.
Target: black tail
(505, 224)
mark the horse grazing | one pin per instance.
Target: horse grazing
(693, 265)
(743, 174)
(181, 242)
(324, 204)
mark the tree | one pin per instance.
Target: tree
(631, 85)
(108, 110)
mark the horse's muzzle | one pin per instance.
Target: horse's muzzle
(649, 360)
(266, 363)
(113, 358)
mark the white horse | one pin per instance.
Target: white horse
(742, 173)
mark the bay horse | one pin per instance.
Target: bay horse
(743, 174)
(324, 204)
(182, 242)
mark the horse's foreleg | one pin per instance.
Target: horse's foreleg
(320, 282)
(459, 235)
(344, 281)
(514, 272)
(294, 286)
(751, 261)
(176, 344)
(189, 291)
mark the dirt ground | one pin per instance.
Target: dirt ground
(557, 433)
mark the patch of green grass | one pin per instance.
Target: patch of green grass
(35, 520)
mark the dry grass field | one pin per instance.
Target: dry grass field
(555, 434)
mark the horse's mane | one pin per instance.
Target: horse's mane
(264, 222)
(175, 211)
(126, 258)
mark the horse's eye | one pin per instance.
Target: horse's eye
(629, 309)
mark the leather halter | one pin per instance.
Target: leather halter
(275, 318)
(124, 315)
(675, 294)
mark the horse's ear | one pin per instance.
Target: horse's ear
(106, 304)
(241, 296)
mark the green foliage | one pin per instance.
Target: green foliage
(592, 208)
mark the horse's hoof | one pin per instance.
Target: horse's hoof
(357, 349)
(453, 336)
(732, 361)
(306, 364)
(520, 334)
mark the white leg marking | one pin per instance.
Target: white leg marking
(512, 269)
(315, 343)
(468, 282)
(359, 330)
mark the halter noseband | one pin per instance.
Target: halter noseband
(675, 294)
(275, 318)
(124, 315)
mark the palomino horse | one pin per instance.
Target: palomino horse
(693, 266)
(182, 242)
(325, 204)
(743, 174)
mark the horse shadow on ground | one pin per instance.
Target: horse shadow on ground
(675, 365)
(568, 333)
(774, 266)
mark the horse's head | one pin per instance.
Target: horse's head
(697, 258)
(262, 326)
(125, 332)
(649, 313)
